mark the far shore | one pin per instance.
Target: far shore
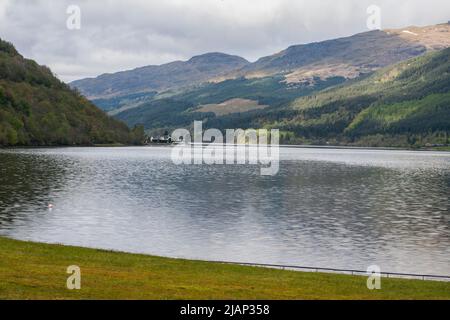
(299, 146)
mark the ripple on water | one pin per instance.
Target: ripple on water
(326, 207)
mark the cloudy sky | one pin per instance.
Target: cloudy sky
(117, 35)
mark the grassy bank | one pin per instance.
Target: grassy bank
(38, 271)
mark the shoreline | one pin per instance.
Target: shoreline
(30, 270)
(275, 266)
(293, 146)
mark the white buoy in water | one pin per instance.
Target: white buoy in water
(50, 206)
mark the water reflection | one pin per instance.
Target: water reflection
(329, 208)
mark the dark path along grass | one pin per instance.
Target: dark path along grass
(38, 271)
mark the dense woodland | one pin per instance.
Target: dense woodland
(407, 104)
(37, 109)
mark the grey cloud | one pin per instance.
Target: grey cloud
(118, 35)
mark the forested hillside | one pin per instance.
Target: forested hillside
(179, 109)
(38, 109)
(403, 105)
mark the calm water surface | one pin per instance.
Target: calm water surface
(325, 208)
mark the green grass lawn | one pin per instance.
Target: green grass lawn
(38, 271)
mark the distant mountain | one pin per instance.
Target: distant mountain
(172, 75)
(351, 56)
(38, 109)
(265, 93)
(405, 104)
(347, 58)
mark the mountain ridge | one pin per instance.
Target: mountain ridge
(348, 57)
(148, 78)
(376, 49)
